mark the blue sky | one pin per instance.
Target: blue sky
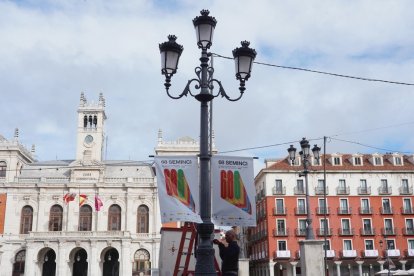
(53, 50)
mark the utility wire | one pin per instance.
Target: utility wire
(322, 72)
(369, 146)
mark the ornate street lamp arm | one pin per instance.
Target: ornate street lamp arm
(186, 91)
(222, 92)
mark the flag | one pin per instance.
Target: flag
(82, 199)
(98, 203)
(69, 197)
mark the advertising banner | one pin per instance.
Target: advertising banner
(233, 192)
(177, 179)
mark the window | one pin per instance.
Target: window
(280, 206)
(301, 206)
(410, 244)
(85, 218)
(407, 206)
(389, 229)
(114, 218)
(384, 184)
(346, 225)
(142, 264)
(367, 225)
(398, 161)
(316, 161)
(281, 245)
(369, 245)
(386, 206)
(26, 220)
(299, 185)
(378, 161)
(302, 226)
(19, 261)
(343, 206)
(337, 161)
(281, 226)
(357, 161)
(320, 184)
(324, 225)
(363, 185)
(3, 169)
(142, 219)
(365, 209)
(347, 245)
(409, 225)
(390, 245)
(279, 185)
(56, 218)
(342, 184)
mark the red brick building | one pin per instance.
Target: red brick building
(369, 202)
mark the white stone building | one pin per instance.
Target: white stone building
(45, 236)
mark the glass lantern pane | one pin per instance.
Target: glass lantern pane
(205, 34)
(243, 64)
(171, 62)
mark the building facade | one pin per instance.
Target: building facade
(366, 217)
(43, 234)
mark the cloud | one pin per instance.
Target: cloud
(53, 50)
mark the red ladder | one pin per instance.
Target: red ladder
(188, 237)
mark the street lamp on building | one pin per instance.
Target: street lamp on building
(388, 257)
(305, 157)
(204, 83)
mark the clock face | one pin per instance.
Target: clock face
(88, 139)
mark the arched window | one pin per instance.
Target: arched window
(114, 218)
(18, 266)
(85, 218)
(142, 263)
(3, 169)
(56, 218)
(26, 220)
(142, 219)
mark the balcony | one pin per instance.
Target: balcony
(349, 254)
(408, 231)
(342, 190)
(279, 190)
(346, 231)
(387, 210)
(344, 210)
(393, 253)
(279, 211)
(300, 211)
(262, 193)
(281, 232)
(282, 254)
(324, 231)
(389, 231)
(364, 190)
(330, 253)
(384, 190)
(261, 214)
(322, 210)
(319, 190)
(407, 210)
(365, 210)
(300, 232)
(371, 253)
(298, 190)
(367, 231)
(409, 252)
(404, 190)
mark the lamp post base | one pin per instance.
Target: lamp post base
(311, 257)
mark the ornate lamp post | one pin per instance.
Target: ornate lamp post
(388, 257)
(305, 154)
(243, 57)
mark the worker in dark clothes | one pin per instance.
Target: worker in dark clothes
(229, 254)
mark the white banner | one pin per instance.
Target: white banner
(233, 191)
(177, 180)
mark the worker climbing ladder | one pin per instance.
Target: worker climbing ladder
(187, 249)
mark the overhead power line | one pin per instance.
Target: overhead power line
(322, 72)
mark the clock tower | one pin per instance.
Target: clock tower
(90, 140)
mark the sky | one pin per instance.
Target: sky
(51, 51)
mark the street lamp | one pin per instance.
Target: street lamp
(170, 55)
(388, 258)
(305, 154)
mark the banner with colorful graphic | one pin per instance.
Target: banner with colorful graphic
(233, 192)
(177, 180)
